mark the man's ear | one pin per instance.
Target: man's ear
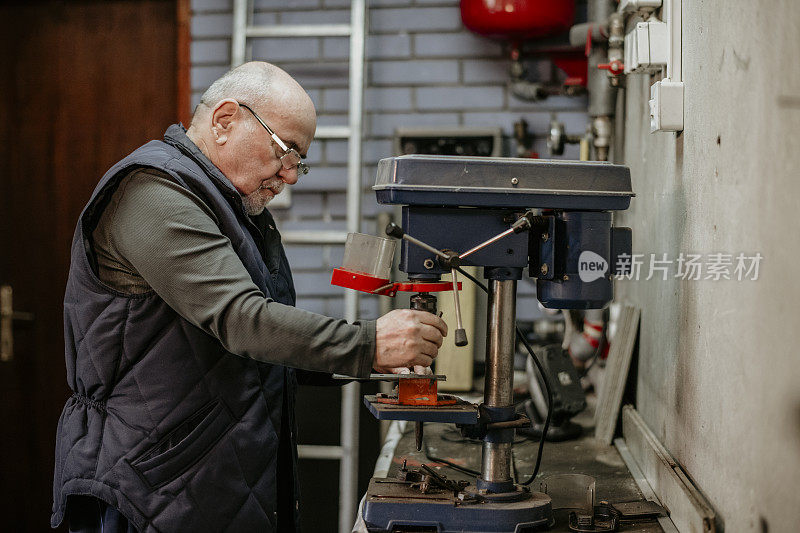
(223, 116)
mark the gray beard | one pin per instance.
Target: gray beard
(255, 202)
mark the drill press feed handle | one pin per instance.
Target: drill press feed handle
(452, 260)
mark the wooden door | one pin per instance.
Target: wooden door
(82, 84)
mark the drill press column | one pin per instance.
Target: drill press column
(499, 380)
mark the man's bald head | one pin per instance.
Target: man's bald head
(225, 128)
(266, 88)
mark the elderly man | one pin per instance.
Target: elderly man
(183, 347)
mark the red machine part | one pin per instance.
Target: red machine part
(574, 64)
(517, 20)
(418, 391)
(366, 283)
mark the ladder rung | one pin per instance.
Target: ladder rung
(300, 30)
(332, 132)
(313, 451)
(313, 237)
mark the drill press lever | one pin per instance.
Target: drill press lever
(451, 260)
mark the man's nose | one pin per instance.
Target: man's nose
(289, 176)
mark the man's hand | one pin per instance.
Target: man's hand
(406, 338)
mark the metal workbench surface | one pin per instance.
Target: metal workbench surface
(584, 455)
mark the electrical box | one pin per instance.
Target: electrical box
(666, 106)
(646, 47)
(485, 142)
(654, 46)
(632, 6)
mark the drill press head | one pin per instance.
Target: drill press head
(454, 203)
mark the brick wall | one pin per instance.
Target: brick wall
(424, 69)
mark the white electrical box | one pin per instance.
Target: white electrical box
(631, 6)
(646, 47)
(666, 106)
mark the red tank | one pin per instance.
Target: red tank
(517, 20)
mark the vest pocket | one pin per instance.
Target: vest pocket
(175, 453)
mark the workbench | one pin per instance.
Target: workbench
(613, 481)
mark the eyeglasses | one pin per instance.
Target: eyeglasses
(291, 157)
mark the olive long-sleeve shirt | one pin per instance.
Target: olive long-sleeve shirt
(156, 235)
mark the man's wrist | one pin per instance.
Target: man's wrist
(368, 353)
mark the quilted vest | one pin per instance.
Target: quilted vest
(164, 424)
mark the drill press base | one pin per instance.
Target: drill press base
(391, 504)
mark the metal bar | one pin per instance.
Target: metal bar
(6, 323)
(484, 244)
(238, 36)
(300, 30)
(456, 302)
(394, 377)
(641, 482)
(424, 246)
(332, 132)
(313, 451)
(314, 237)
(499, 381)
(348, 467)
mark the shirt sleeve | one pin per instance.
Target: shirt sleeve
(169, 236)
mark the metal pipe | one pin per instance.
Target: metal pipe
(500, 343)
(601, 131)
(496, 462)
(579, 32)
(499, 381)
(601, 95)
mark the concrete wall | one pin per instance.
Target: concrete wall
(719, 371)
(423, 70)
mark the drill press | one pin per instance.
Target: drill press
(553, 217)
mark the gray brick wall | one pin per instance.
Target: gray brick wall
(424, 69)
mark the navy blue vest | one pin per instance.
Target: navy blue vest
(164, 424)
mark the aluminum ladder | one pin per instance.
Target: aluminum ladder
(347, 451)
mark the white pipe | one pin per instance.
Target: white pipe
(672, 16)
